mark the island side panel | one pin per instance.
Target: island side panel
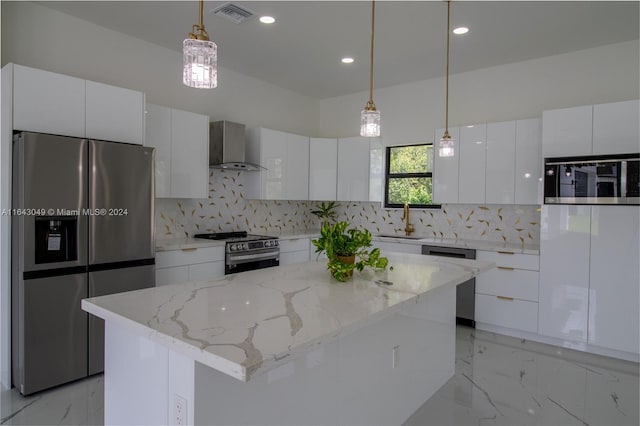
(351, 380)
(142, 379)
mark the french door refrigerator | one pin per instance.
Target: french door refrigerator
(82, 226)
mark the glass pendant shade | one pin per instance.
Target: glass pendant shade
(200, 63)
(370, 123)
(445, 148)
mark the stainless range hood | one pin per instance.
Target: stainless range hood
(226, 147)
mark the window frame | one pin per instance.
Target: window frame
(387, 176)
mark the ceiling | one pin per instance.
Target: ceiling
(302, 50)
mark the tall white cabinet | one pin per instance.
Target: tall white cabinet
(286, 158)
(614, 278)
(615, 128)
(181, 140)
(528, 162)
(473, 154)
(501, 155)
(565, 240)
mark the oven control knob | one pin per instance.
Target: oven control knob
(244, 246)
(267, 243)
(232, 247)
(275, 242)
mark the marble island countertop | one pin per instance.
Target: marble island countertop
(246, 324)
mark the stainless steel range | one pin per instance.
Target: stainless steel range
(246, 252)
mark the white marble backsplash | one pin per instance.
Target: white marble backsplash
(226, 209)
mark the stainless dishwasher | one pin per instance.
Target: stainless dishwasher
(465, 292)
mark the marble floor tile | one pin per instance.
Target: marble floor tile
(499, 380)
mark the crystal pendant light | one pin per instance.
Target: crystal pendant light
(370, 117)
(446, 146)
(199, 58)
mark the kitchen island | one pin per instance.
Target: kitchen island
(284, 345)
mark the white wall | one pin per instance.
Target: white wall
(411, 112)
(39, 37)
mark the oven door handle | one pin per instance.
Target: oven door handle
(236, 259)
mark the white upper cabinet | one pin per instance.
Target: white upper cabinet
(47, 102)
(53, 103)
(353, 169)
(114, 114)
(567, 131)
(501, 153)
(445, 170)
(528, 171)
(158, 135)
(323, 168)
(376, 170)
(181, 139)
(614, 319)
(615, 128)
(189, 154)
(473, 151)
(564, 271)
(286, 158)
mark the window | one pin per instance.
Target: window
(408, 176)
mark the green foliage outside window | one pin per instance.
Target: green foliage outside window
(409, 175)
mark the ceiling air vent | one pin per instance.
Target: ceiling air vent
(233, 12)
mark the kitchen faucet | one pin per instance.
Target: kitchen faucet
(408, 228)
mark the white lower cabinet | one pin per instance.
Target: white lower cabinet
(507, 296)
(564, 271)
(614, 282)
(178, 266)
(294, 251)
(387, 247)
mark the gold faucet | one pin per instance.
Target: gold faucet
(408, 228)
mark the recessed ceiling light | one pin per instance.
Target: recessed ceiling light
(460, 30)
(267, 19)
(347, 60)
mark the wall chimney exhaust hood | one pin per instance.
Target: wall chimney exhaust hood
(226, 147)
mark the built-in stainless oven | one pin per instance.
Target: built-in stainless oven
(604, 179)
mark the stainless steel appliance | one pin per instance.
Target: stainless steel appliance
(604, 179)
(227, 147)
(82, 226)
(465, 292)
(246, 252)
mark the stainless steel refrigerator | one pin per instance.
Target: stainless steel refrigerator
(82, 226)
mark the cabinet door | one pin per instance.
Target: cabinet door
(174, 275)
(114, 114)
(206, 271)
(528, 174)
(473, 151)
(388, 247)
(353, 169)
(615, 128)
(323, 168)
(376, 170)
(294, 257)
(615, 278)
(564, 271)
(567, 132)
(158, 136)
(47, 102)
(445, 170)
(189, 155)
(297, 168)
(501, 154)
(273, 156)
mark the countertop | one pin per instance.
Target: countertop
(240, 324)
(187, 243)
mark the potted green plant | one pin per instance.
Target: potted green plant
(347, 249)
(326, 212)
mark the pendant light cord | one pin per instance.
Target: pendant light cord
(373, 19)
(446, 121)
(201, 9)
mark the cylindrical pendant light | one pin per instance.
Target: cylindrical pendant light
(446, 146)
(370, 117)
(199, 58)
